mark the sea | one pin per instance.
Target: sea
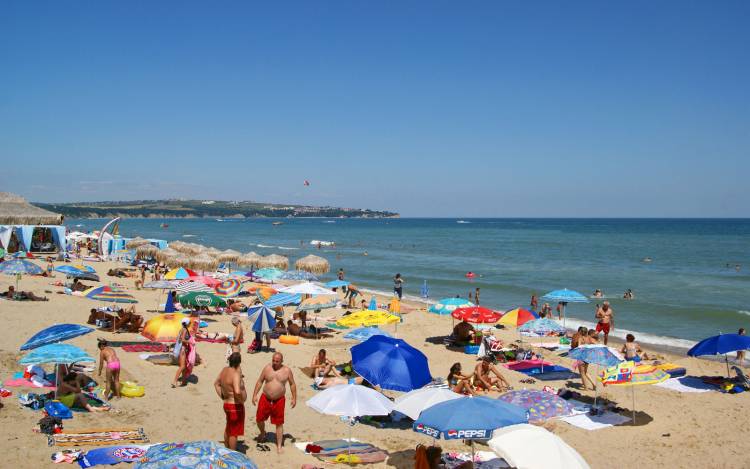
(690, 277)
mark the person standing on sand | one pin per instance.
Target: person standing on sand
(239, 335)
(230, 386)
(184, 352)
(605, 317)
(398, 286)
(107, 355)
(741, 353)
(273, 379)
(340, 276)
(476, 296)
(534, 303)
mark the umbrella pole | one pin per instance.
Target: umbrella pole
(726, 359)
(632, 389)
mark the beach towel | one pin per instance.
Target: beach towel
(525, 364)
(145, 348)
(218, 340)
(24, 383)
(97, 437)
(112, 455)
(551, 373)
(482, 460)
(161, 359)
(687, 384)
(596, 422)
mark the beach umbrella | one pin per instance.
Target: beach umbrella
(162, 284)
(146, 251)
(228, 288)
(109, 295)
(274, 260)
(179, 274)
(179, 261)
(268, 273)
(542, 326)
(56, 333)
(78, 271)
(19, 267)
(136, 242)
(230, 255)
(249, 259)
(390, 363)
(313, 264)
(163, 254)
(468, 418)
(596, 354)
(187, 286)
(628, 374)
(565, 296)
(476, 315)
(204, 262)
(317, 302)
(206, 280)
(337, 283)
(363, 333)
(306, 288)
(448, 305)
(721, 344)
(525, 446)
(193, 455)
(164, 327)
(282, 299)
(264, 293)
(56, 353)
(350, 400)
(299, 275)
(205, 299)
(414, 402)
(261, 318)
(517, 317)
(368, 318)
(540, 405)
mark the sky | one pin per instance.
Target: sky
(465, 109)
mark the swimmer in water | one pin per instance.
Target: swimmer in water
(646, 259)
(597, 293)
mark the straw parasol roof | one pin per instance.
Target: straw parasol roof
(146, 251)
(179, 260)
(203, 262)
(251, 259)
(313, 264)
(230, 255)
(15, 210)
(187, 248)
(136, 242)
(164, 254)
(274, 260)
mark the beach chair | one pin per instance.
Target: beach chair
(742, 380)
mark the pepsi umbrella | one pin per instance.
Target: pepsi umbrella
(56, 353)
(390, 363)
(283, 299)
(721, 344)
(540, 405)
(193, 455)
(56, 333)
(364, 333)
(565, 296)
(262, 319)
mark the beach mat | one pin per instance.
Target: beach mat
(551, 373)
(596, 422)
(24, 383)
(112, 455)
(161, 359)
(687, 384)
(97, 437)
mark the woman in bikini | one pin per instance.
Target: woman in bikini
(184, 352)
(581, 338)
(107, 355)
(459, 383)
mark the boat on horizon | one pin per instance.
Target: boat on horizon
(277, 223)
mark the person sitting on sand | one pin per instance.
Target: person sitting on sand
(12, 294)
(322, 366)
(483, 380)
(107, 355)
(458, 382)
(463, 332)
(632, 350)
(70, 394)
(328, 382)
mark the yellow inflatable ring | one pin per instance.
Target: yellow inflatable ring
(289, 339)
(130, 389)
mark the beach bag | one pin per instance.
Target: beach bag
(177, 350)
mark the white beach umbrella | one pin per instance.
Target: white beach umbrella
(414, 402)
(350, 400)
(527, 446)
(306, 288)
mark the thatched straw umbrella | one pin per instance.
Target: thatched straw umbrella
(204, 262)
(212, 252)
(274, 260)
(178, 246)
(251, 259)
(180, 260)
(146, 251)
(230, 255)
(136, 242)
(15, 210)
(163, 254)
(313, 264)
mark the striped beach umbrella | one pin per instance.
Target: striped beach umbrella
(517, 317)
(109, 295)
(282, 299)
(228, 288)
(180, 273)
(188, 286)
(448, 305)
(261, 318)
(162, 284)
(476, 315)
(317, 302)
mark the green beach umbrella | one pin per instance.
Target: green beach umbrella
(198, 298)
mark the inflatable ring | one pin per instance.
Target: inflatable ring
(130, 389)
(289, 339)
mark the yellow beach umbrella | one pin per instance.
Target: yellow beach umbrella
(164, 328)
(368, 318)
(628, 374)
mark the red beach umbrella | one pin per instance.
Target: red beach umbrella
(476, 315)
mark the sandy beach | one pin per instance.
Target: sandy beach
(673, 429)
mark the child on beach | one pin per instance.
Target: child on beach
(107, 355)
(631, 349)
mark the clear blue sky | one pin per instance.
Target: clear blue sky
(428, 108)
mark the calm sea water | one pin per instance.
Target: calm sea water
(687, 292)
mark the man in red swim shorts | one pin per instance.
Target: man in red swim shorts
(230, 386)
(273, 379)
(605, 317)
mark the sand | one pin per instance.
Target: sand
(673, 430)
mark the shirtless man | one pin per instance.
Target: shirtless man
(605, 317)
(230, 386)
(239, 335)
(322, 366)
(482, 378)
(273, 379)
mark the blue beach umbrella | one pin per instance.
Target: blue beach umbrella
(262, 319)
(565, 296)
(337, 284)
(56, 333)
(425, 290)
(542, 326)
(268, 273)
(363, 333)
(391, 364)
(283, 299)
(469, 418)
(19, 267)
(448, 305)
(595, 354)
(298, 275)
(193, 455)
(56, 353)
(721, 344)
